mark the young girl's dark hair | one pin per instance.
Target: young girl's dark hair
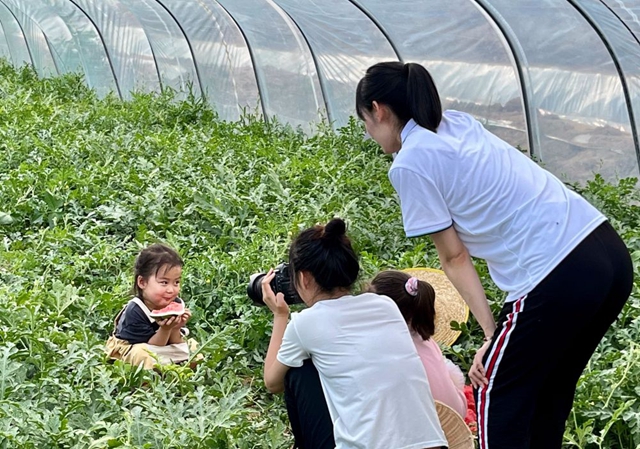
(326, 253)
(419, 311)
(151, 260)
(407, 89)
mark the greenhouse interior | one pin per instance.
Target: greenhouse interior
(559, 79)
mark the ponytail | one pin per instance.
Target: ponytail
(407, 89)
(417, 305)
(423, 98)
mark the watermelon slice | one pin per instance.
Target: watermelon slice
(173, 309)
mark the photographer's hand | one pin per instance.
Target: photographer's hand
(274, 371)
(276, 303)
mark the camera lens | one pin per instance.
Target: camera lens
(281, 283)
(254, 288)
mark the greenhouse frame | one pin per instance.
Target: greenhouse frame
(560, 79)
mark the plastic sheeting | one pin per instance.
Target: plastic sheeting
(75, 41)
(472, 67)
(5, 51)
(171, 51)
(345, 42)
(576, 90)
(628, 11)
(224, 63)
(623, 47)
(39, 50)
(559, 78)
(14, 37)
(287, 75)
(126, 45)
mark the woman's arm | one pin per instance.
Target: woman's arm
(456, 263)
(274, 371)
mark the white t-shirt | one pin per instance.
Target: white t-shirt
(506, 209)
(373, 380)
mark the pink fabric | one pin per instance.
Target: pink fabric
(442, 386)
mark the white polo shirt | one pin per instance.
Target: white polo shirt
(374, 382)
(506, 209)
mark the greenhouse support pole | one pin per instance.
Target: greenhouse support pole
(259, 79)
(618, 66)
(522, 66)
(24, 36)
(380, 27)
(106, 50)
(323, 86)
(193, 55)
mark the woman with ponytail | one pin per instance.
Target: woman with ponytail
(416, 301)
(347, 365)
(566, 272)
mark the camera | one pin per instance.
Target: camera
(281, 283)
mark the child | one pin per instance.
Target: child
(416, 301)
(137, 335)
(347, 365)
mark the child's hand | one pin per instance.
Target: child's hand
(276, 303)
(171, 322)
(186, 316)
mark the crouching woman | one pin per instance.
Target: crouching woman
(347, 364)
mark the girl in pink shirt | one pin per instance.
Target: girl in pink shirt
(416, 301)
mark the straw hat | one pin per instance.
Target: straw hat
(457, 433)
(449, 304)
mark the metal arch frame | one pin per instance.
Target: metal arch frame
(55, 66)
(107, 51)
(624, 23)
(531, 118)
(104, 45)
(67, 24)
(623, 80)
(321, 80)
(379, 26)
(260, 83)
(53, 10)
(51, 50)
(153, 53)
(616, 63)
(24, 36)
(213, 24)
(186, 38)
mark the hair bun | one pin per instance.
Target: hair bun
(335, 229)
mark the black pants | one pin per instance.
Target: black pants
(544, 341)
(307, 408)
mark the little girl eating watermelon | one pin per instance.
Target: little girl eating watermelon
(150, 327)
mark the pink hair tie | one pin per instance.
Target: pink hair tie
(412, 286)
